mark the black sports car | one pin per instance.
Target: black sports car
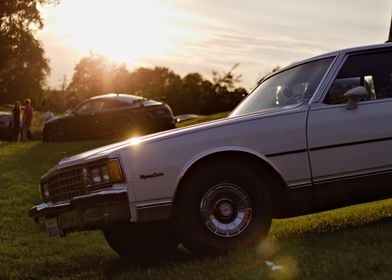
(110, 115)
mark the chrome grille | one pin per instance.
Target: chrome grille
(65, 185)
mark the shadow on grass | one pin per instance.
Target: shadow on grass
(182, 257)
(160, 258)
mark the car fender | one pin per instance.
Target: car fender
(150, 210)
(224, 149)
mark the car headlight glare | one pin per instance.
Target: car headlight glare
(105, 173)
(96, 175)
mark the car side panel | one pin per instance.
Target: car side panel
(158, 179)
(349, 143)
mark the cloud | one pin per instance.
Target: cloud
(201, 36)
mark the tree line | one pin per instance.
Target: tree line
(192, 93)
(24, 70)
(23, 65)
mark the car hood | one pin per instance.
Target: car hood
(59, 118)
(116, 148)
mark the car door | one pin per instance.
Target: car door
(109, 115)
(350, 151)
(280, 134)
(85, 123)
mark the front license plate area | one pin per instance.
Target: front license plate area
(52, 228)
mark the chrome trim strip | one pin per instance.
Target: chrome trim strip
(154, 211)
(154, 204)
(350, 175)
(298, 186)
(104, 192)
(52, 205)
(374, 140)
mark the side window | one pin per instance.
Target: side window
(113, 104)
(86, 107)
(372, 71)
(90, 106)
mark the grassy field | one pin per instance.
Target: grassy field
(348, 243)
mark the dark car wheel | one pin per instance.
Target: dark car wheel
(142, 240)
(222, 206)
(54, 133)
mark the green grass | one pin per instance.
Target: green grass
(349, 243)
(203, 119)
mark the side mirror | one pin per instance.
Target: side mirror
(354, 95)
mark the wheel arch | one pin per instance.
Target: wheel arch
(275, 183)
(51, 125)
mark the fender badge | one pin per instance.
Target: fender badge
(149, 176)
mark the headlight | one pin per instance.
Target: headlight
(44, 191)
(105, 172)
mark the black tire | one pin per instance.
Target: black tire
(222, 206)
(54, 133)
(122, 127)
(142, 240)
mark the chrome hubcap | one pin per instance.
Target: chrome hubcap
(226, 210)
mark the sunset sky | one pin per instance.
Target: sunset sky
(204, 35)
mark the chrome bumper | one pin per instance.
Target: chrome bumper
(87, 212)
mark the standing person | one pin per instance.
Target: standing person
(15, 122)
(48, 115)
(27, 119)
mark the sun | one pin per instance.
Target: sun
(123, 30)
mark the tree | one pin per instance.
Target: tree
(96, 75)
(23, 67)
(227, 94)
(121, 80)
(93, 75)
(153, 83)
(226, 79)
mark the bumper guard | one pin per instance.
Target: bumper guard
(87, 212)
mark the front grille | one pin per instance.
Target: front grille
(65, 185)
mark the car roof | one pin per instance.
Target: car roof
(119, 96)
(331, 54)
(350, 50)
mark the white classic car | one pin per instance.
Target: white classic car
(313, 136)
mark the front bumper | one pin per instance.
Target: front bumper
(86, 212)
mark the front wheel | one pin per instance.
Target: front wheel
(222, 206)
(54, 133)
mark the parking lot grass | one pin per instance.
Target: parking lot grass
(348, 243)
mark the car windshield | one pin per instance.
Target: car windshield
(290, 87)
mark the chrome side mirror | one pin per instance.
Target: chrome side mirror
(354, 95)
